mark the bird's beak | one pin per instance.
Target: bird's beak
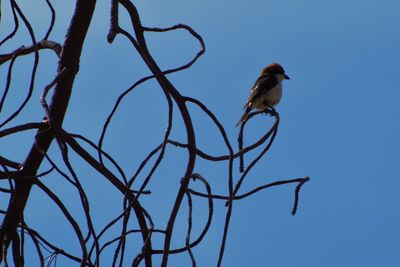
(286, 77)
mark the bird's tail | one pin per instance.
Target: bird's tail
(244, 116)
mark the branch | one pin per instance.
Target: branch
(168, 88)
(72, 49)
(26, 50)
(114, 180)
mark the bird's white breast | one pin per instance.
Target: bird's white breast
(270, 98)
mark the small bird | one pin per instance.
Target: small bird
(266, 91)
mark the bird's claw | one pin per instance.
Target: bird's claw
(270, 111)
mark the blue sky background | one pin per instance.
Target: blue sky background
(339, 125)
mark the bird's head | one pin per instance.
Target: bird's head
(276, 70)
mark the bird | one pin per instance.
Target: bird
(266, 91)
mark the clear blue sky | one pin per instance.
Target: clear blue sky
(339, 125)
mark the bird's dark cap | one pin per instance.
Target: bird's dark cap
(274, 68)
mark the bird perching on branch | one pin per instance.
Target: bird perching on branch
(266, 91)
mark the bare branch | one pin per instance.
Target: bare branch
(70, 60)
(26, 50)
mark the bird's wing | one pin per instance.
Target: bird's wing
(261, 86)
